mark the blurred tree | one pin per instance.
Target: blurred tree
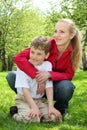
(18, 26)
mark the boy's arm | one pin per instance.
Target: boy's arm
(51, 109)
(34, 109)
(29, 98)
(22, 61)
(49, 94)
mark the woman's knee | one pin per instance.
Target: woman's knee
(11, 76)
(63, 90)
(11, 73)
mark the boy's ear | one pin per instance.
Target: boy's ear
(47, 55)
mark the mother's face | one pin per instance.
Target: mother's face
(62, 34)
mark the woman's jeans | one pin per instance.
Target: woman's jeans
(63, 91)
(11, 76)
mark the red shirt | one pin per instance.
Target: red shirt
(62, 67)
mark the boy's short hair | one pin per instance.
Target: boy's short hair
(41, 43)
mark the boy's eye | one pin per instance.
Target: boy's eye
(32, 52)
(39, 54)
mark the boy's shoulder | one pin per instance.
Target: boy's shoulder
(47, 65)
(47, 62)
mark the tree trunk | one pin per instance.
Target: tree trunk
(84, 61)
(10, 62)
(3, 59)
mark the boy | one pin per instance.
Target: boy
(28, 101)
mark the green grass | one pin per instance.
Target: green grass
(77, 119)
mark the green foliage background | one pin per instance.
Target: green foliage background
(18, 26)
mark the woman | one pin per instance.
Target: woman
(65, 56)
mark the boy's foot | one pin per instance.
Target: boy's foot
(13, 110)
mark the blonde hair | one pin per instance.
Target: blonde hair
(76, 55)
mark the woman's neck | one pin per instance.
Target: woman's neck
(62, 48)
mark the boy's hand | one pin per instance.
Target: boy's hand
(34, 113)
(41, 88)
(41, 77)
(55, 112)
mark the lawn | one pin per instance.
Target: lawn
(76, 120)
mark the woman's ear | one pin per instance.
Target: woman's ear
(72, 35)
(47, 55)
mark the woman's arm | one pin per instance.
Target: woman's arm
(67, 74)
(55, 76)
(21, 59)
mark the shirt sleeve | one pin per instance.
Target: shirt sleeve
(48, 67)
(22, 61)
(21, 79)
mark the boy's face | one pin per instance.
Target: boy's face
(37, 56)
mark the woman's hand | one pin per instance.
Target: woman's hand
(42, 76)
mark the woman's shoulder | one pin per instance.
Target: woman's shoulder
(53, 43)
(52, 40)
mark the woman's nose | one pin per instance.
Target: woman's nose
(57, 34)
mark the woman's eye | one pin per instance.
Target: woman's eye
(55, 31)
(62, 32)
